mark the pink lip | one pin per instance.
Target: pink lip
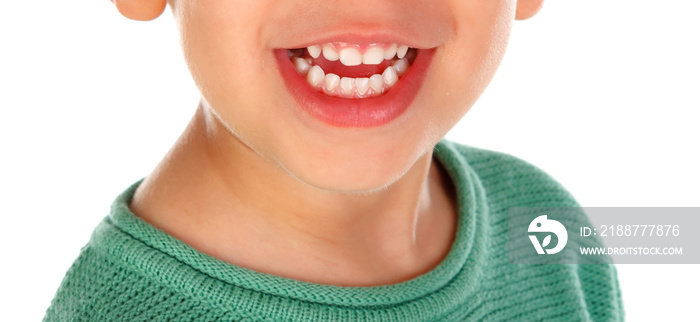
(358, 113)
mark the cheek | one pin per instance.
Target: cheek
(222, 47)
(229, 64)
(466, 64)
(471, 59)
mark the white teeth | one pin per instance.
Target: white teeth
(331, 82)
(346, 85)
(390, 76)
(391, 52)
(401, 51)
(349, 56)
(376, 82)
(315, 76)
(401, 66)
(362, 85)
(330, 54)
(314, 51)
(373, 56)
(301, 65)
(349, 87)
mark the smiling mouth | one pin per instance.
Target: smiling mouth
(346, 84)
(353, 71)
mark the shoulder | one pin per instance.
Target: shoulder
(511, 180)
(75, 295)
(507, 182)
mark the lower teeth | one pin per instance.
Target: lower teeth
(350, 87)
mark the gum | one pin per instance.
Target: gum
(338, 46)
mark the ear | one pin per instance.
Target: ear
(142, 10)
(527, 8)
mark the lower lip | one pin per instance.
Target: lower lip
(356, 113)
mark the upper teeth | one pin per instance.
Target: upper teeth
(329, 53)
(314, 51)
(373, 56)
(350, 55)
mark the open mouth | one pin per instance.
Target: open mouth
(351, 85)
(353, 71)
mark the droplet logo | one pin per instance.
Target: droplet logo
(543, 225)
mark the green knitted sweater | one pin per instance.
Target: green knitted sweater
(131, 271)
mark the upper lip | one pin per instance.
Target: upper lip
(412, 29)
(368, 37)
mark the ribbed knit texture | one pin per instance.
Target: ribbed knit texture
(131, 271)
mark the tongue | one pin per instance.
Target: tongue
(335, 67)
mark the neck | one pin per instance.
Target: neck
(221, 197)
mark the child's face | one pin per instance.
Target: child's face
(236, 51)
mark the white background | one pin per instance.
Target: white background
(601, 94)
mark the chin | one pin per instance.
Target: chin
(348, 182)
(361, 173)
